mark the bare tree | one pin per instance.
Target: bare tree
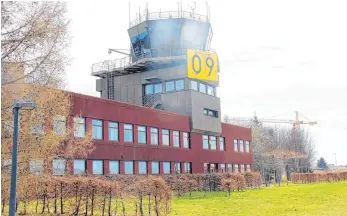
(34, 38)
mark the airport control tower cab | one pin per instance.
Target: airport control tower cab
(170, 67)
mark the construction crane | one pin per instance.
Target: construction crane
(297, 122)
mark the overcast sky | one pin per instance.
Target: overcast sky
(275, 57)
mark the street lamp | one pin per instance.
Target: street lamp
(27, 105)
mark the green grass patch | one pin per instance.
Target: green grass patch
(304, 199)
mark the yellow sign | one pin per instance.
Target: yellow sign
(202, 65)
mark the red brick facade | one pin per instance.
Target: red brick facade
(123, 113)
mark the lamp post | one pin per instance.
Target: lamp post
(28, 105)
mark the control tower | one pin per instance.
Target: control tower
(171, 67)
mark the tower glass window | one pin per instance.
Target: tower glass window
(202, 88)
(179, 84)
(59, 166)
(194, 85)
(210, 90)
(170, 86)
(236, 168)
(187, 168)
(158, 88)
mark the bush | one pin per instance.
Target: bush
(328, 176)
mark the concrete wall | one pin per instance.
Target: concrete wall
(203, 123)
(129, 88)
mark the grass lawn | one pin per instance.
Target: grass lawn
(307, 199)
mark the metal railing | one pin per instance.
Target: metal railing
(169, 15)
(151, 100)
(122, 63)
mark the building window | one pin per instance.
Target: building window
(222, 168)
(248, 167)
(59, 124)
(176, 138)
(59, 166)
(242, 168)
(36, 166)
(153, 89)
(185, 140)
(179, 85)
(170, 86)
(114, 167)
(154, 136)
(236, 149)
(202, 88)
(213, 143)
(230, 168)
(221, 144)
(236, 168)
(148, 89)
(113, 131)
(187, 168)
(167, 167)
(141, 134)
(247, 146)
(158, 88)
(79, 127)
(166, 137)
(128, 133)
(98, 167)
(209, 112)
(210, 90)
(205, 142)
(129, 167)
(142, 167)
(177, 167)
(194, 85)
(37, 126)
(79, 167)
(241, 146)
(155, 167)
(97, 129)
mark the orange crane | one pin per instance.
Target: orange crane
(297, 122)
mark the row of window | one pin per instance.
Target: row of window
(113, 133)
(170, 86)
(242, 146)
(210, 142)
(235, 168)
(202, 87)
(129, 168)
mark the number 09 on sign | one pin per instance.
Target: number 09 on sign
(202, 65)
